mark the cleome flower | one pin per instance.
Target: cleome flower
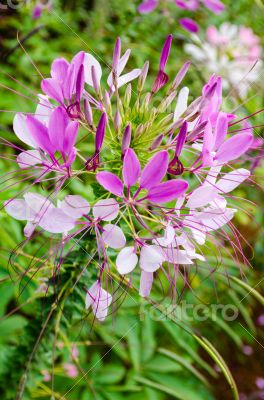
(157, 171)
(232, 51)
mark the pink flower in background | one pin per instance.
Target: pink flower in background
(40, 7)
(232, 51)
(216, 6)
(71, 370)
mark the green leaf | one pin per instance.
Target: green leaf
(210, 349)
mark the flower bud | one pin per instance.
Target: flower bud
(117, 120)
(126, 139)
(88, 112)
(127, 97)
(143, 76)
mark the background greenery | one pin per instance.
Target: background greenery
(142, 351)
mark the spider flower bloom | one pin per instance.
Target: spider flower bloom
(39, 211)
(232, 51)
(58, 134)
(152, 224)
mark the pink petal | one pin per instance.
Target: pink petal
(126, 78)
(220, 129)
(70, 136)
(234, 147)
(59, 69)
(202, 196)
(214, 5)
(56, 221)
(52, 89)
(110, 182)
(126, 260)
(176, 256)
(113, 236)
(75, 206)
(29, 158)
(147, 6)
(167, 191)
(146, 280)
(40, 135)
(17, 209)
(57, 126)
(155, 170)
(106, 209)
(231, 180)
(131, 168)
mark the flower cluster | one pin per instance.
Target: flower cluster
(216, 6)
(160, 176)
(232, 51)
(40, 6)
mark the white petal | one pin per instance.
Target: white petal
(101, 304)
(201, 196)
(182, 103)
(231, 180)
(151, 258)
(17, 208)
(75, 206)
(126, 260)
(37, 203)
(121, 65)
(44, 109)
(146, 280)
(130, 76)
(113, 236)
(168, 237)
(29, 229)
(176, 256)
(56, 221)
(28, 158)
(179, 204)
(106, 209)
(91, 295)
(90, 61)
(21, 130)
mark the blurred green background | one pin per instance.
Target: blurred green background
(142, 351)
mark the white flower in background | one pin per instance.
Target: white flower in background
(232, 51)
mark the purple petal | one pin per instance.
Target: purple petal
(189, 24)
(37, 11)
(70, 137)
(131, 168)
(234, 147)
(167, 191)
(155, 170)
(100, 132)
(80, 84)
(57, 126)
(220, 129)
(165, 53)
(117, 53)
(126, 139)
(52, 89)
(181, 74)
(181, 138)
(147, 6)
(160, 81)
(146, 280)
(40, 135)
(110, 182)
